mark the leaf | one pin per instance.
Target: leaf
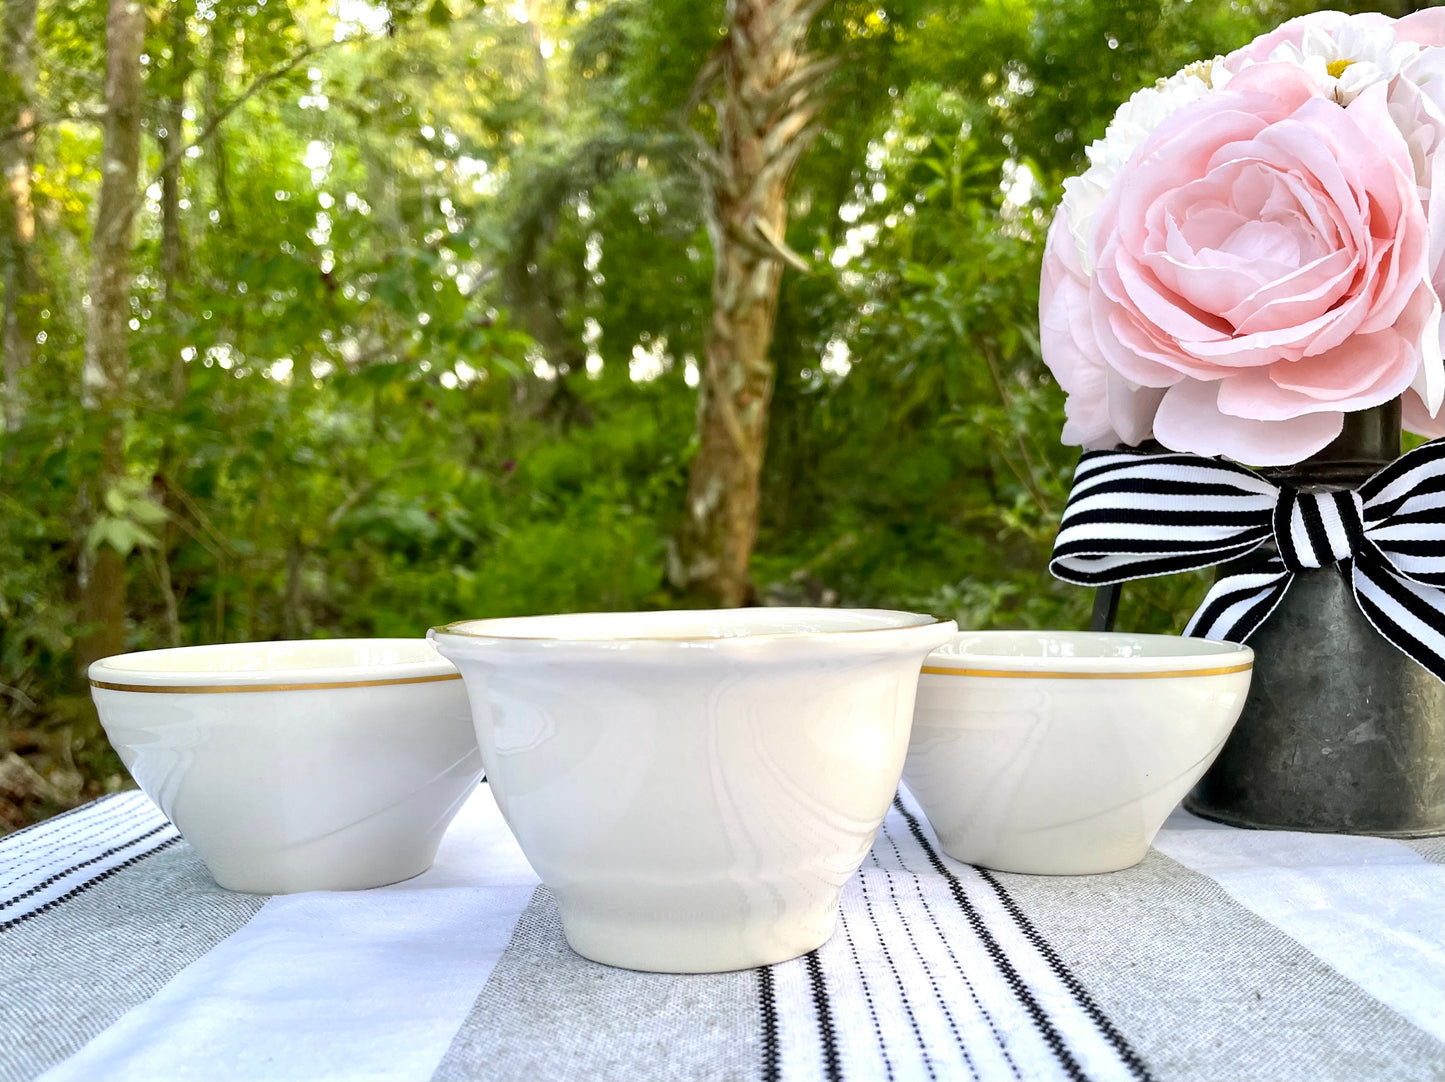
(129, 499)
(148, 512)
(379, 375)
(439, 15)
(120, 534)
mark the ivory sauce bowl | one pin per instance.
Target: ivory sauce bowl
(331, 764)
(694, 787)
(1063, 753)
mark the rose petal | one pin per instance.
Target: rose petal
(1274, 88)
(1131, 409)
(1127, 345)
(1189, 420)
(1124, 279)
(1159, 163)
(1417, 418)
(1365, 371)
(1422, 322)
(1067, 336)
(1422, 27)
(1295, 298)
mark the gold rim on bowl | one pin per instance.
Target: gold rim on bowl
(215, 689)
(1031, 674)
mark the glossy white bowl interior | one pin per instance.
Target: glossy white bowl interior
(1064, 752)
(315, 765)
(694, 787)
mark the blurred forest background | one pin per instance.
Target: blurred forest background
(331, 317)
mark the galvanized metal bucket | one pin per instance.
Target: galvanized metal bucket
(1341, 733)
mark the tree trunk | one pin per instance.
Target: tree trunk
(173, 279)
(172, 140)
(18, 280)
(766, 95)
(107, 339)
(212, 91)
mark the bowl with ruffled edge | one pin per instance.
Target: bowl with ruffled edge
(333, 764)
(694, 787)
(1062, 753)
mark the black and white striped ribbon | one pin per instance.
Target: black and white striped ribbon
(1134, 514)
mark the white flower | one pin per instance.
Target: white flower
(1357, 54)
(1132, 124)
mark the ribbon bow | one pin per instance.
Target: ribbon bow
(1135, 514)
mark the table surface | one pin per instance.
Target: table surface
(1226, 954)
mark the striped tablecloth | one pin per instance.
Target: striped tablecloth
(1226, 954)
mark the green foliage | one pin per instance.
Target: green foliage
(444, 277)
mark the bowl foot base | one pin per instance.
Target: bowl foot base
(693, 947)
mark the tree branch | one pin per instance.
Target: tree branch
(260, 83)
(19, 696)
(88, 116)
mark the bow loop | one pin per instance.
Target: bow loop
(1405, 513)
(1134, 514)
(1317, 529)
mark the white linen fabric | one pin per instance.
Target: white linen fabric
(359, 984)
(1370, 908)
(1227, 954)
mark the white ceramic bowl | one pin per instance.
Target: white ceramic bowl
(331, 764)
(694, 787)
(1063, 752)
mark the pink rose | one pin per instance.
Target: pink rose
(1350, 53)
(1261, 260)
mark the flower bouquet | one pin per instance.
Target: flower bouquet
(1249, 274)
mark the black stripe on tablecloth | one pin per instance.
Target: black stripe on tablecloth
(897, 981)
(923, 963)
(101, 814)
(35, 853)
(55, 877)
(109, 827)
(867, 994)
(768, 1007)
(33, 827)
(1117, 1041)
(957, 968)
(1011, 976)
(5, 926)
(827, 1035)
